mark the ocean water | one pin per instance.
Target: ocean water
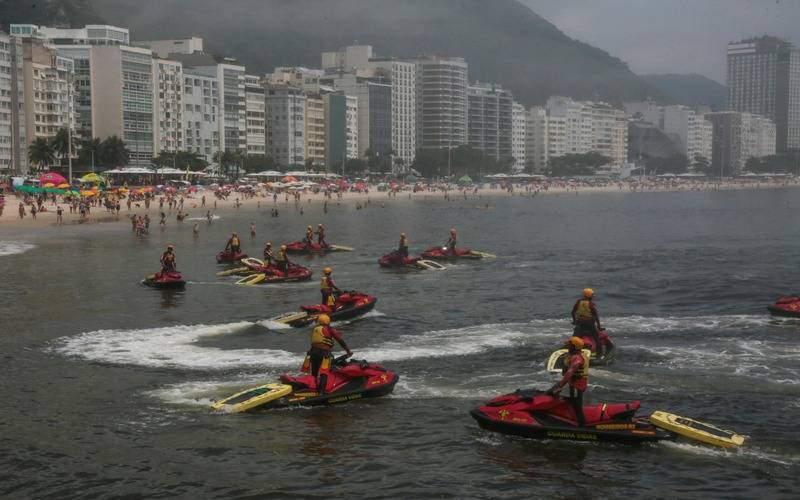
(108, 383)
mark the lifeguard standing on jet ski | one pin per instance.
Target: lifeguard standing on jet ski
(234, 245)
(282, 260)
(318, 359)
(327, 287)
(576, 374)
(268, 257)
(451, 243)
(321, 235)
(168, 264)
(586, 319)
(402, 249)
(309, 239)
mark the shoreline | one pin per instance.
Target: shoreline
(99, 215)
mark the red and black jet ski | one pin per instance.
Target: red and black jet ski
(394, 259)
(257, 274)
(228, 257)
(788, 306)
(349, 380)
(534, 414)
(348, 305)
(444, 253)
(302, 247)
(558, 359)
(165, 281)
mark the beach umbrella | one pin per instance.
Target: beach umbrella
(52, 178)
(288, 179)
(92, 178)
(49, 185)
(63, 185)
(87, 193)
(465, 180)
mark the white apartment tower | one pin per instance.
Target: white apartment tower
(13, 154)
(168, 107)
(442, 104)
(578, 127)
(536, 139)
(519, 133)
(315, 129)
(285, 124)
(48, 80)
(738, 137)
(201, 114)
(403, 76)
(256, 116)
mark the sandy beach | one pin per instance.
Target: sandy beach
(264, 201)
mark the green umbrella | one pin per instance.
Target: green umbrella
(466, 179)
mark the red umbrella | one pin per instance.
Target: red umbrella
(52, 178)
(288, 178)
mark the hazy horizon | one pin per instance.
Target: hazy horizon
(665, 33)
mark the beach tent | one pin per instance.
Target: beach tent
(465, 180)
(52, 178)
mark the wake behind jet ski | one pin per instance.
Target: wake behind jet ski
(349, 380)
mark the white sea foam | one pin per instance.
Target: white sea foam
(171, 347)
(744, 453)
(14, 247)
(213, 217)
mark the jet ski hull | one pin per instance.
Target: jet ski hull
(787, 307)
(173, 281)
(536, 415)
(226, 257)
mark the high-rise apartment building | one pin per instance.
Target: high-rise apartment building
(536, 139)
(201, 114)
(374, 94)
(76, 44)
(341, 129)
(285, 124)
(519, 136)
(738, 137)
(442, 104)
(256, 116)
(163, 48)
(690, 132)
(578, 127)
(121, 79)
(764, 79)
(167, 107)
(315, 129)
(230, 75)
(403, 77)
(13, 154)
(490, 119)
(49, 95)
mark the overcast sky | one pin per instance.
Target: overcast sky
(671, 36)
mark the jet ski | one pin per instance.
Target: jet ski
(301, 247)
(348, 305)
(257, 272)
(165, 281)
(349, 380)
(534, 414)
(444, 253)
(788, 307)
(397, 261)
(228, 257)
(558, 359)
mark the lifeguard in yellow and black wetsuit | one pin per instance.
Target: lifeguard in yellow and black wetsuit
(576, 374)
(168, 264)
(309, 239)
(451, 243)
(402, 248)
(586, 319)
(282, 260)
(327, 287)
(268, 257)
(234, 245)
(321, 236)
(318, 359)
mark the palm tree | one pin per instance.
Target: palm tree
(399, 163)
(60, 143)
(40, 152)
(226, 159)
(113, 152)
(89, 152)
